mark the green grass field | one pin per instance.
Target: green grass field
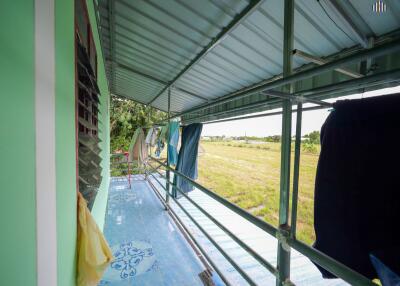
(248, 175)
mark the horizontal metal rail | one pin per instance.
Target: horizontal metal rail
(220, 249)
(119, 163)
(254, 220)
(263, 115)
(363, 82)
(198, 245)
(252, 252)
(333, 266)
(330, 264)
(297, 98)
(321, 61)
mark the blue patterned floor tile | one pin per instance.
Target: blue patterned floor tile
(148, 247)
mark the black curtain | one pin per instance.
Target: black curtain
(357, 190)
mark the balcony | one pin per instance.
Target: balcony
(177, 244)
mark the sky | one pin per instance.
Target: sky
(271, 125)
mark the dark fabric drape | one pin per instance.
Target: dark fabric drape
(357, 190)
(187, 158)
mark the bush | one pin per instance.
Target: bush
(309, 147)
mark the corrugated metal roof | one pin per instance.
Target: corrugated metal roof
(149, 43)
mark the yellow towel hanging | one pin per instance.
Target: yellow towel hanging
(94, 254)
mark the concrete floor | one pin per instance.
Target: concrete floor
(148, 247)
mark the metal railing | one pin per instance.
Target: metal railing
(120, 165)
(284, 236)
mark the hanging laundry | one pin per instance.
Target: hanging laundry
(173, 139)
(154, 137)
(357, 191)
(151, 136)
(137, 148)
(164, 133)
(160, 147)
(187, 159)
(93, 252)
(161, 140)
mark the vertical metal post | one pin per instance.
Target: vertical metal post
(168, 163)
(296, 171)
(283, 249)
(151, 126)
(365, 66)
(148, 146)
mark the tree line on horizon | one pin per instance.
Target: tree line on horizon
(312, 138)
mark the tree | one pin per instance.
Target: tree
(313, 137)
(311, 140)
(127, 115)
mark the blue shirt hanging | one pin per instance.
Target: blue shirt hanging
(173, 139)
(187, 159)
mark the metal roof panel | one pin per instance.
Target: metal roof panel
(161, 37)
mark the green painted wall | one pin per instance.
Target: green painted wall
(17, 144)
(99, 207)
(65, 139)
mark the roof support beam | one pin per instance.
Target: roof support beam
(376, 51)
(299, 99)
(134, 71)
(321, 61)
(263, 115)
(214, 42)
(348, 22)
(354, 85)
(135, 100)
